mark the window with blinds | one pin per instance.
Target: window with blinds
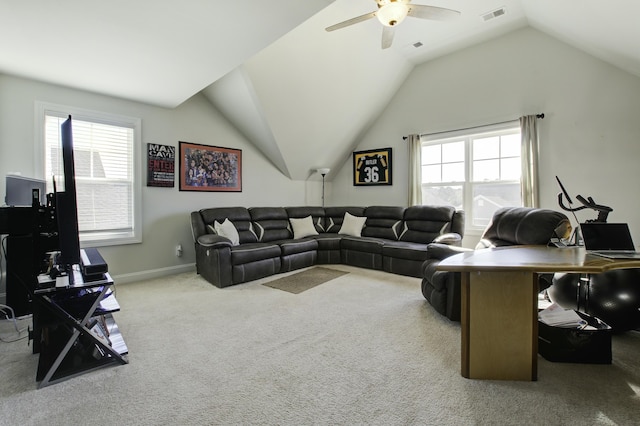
(477, 170)
(105, 171)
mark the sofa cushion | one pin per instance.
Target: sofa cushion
(271, 223)
(316, 213)
(302, 227)
(352, 225)
(422, 224)
(333, 217)
(405, 250)
(252, 252)
(383, 222)
(328, 241)
(228, 230)
(367, 245)
(238, 215)
(289, 247)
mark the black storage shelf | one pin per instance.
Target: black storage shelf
(72, 321)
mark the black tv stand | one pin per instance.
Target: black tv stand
(74, 329)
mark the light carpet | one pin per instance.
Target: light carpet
(364, 348)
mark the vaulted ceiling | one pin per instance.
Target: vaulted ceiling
(301, 95)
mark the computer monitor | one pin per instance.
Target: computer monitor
(20, 191)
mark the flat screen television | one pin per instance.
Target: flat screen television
(66, 205)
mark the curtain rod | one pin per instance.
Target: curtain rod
(540, 116)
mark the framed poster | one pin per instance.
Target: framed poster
(161, 163)
(210, 168)
(372, 167)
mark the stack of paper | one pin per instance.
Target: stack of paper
(557, 316)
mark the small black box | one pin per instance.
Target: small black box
(560, 344)
(92, 263)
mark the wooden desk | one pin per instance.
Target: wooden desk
(499, 315)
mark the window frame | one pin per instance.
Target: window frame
(467, 135)
(93, 238)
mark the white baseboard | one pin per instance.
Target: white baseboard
(153, 273)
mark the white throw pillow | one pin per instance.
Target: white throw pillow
(303, 227)
(352, 225)
(228, 230)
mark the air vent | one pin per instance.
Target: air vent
(494, 14)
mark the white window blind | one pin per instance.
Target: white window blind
(106, 177)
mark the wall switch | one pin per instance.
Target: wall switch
(179, 250)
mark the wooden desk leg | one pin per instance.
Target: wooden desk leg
(499, 326)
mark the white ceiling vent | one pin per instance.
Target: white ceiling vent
(494, 14)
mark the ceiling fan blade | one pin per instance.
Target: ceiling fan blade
(432, 12)
(387, 36)
(351, 21)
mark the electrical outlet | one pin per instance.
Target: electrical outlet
(179, 250)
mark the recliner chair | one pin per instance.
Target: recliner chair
(508, 226)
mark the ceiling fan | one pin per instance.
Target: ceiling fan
(391, 12)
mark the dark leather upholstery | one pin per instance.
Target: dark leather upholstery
(238, 215)
(523, 226)
(298, 254)
(252, 252)
(271, 223)
(267, 245)
(508, 226)
(328, 247)
(383, 222)
(422, 225)
(365, 252)
(426, 223)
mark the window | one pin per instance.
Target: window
(106, 152)
(477, 170)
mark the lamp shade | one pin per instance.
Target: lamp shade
(391, 14)
(323, 171)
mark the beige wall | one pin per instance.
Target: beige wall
(590, 136)
(165, 210)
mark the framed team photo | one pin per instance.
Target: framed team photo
(372, 167)
(210, 168)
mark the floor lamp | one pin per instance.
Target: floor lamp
(323, 172)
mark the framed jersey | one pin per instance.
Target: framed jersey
(372, 167)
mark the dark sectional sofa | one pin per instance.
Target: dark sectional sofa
(393, 239)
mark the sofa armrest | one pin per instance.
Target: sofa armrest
(213, 259)
(451, 238)
(198, 227)
(439, 251)
(213, 241)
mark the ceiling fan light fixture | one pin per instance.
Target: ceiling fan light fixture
(391, 14)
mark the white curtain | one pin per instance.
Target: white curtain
(529, 156)
(415, 170)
